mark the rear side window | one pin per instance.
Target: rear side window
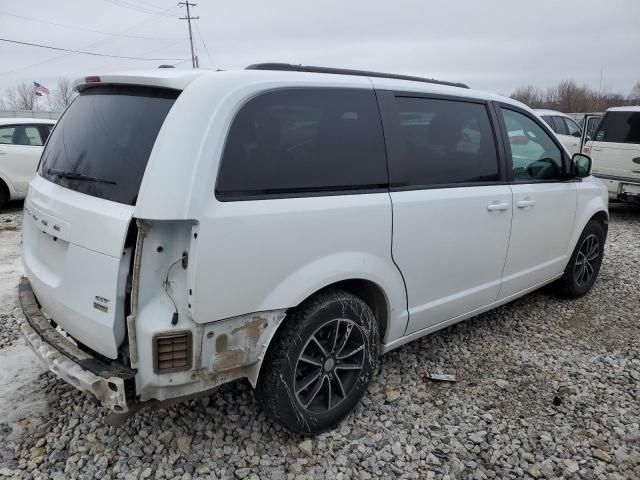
(549, 121)
(442, 142)
(619, 127)
(559, 126)
(20, 135)
(304, 140)
(46, 130)
(101, 145)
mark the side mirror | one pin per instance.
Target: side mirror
(580, 165)
(543, 169)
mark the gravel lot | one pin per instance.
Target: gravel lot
(546, 388)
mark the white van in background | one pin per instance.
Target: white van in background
(615, 150)
(567, 130)
(21, 141)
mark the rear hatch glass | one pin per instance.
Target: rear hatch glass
(101, 145)
(619, 127)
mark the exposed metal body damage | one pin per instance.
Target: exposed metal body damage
(223, 350)
(236, 347)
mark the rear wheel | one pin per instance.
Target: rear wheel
(320, 363)
(4, 194)
(584, 265)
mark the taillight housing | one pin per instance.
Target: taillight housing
(586, 150)
(172, 352)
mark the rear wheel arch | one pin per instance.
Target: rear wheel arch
(5, 194)
(370, 293)
(603, 218)
(282, 384)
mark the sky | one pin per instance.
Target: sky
(493, 45)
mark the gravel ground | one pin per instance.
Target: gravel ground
(546, 388)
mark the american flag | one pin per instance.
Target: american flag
(40, 89)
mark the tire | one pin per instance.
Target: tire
(580, 275)
(4, 194)
(308, 390)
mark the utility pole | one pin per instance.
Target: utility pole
(188, 18)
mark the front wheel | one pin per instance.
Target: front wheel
(584, 264)
(320, 363)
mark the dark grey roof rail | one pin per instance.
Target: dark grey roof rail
(344, 71)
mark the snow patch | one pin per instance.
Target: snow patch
(10, 268)
(22, 399)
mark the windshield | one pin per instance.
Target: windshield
(101, 145)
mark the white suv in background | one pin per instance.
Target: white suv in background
(288, 225)
(615, 148)
(21, 141)
(567, 130)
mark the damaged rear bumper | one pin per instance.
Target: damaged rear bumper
(107, 382)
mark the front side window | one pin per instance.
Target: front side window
(20, 135)
(619, 127)
(534, 155)
(592, 123)
(443, 142)
(572, 127)
(101, 145)
(299, 141)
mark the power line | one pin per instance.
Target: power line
(109, 65)
(206, 49)
(188, 18)
(87, 29)
(85, 53)
(153, 6)
(122, 3)
(132, 28)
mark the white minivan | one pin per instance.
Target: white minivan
(615, 148)
(288, 225)
(21, 141)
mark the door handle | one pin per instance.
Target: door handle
(596, 149)
(495, 206)
(525, 203)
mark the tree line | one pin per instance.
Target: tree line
(568, 96)
(23, 97)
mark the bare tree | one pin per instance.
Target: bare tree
(634, 95)
(63, 95)
(22, 97)
(529, 95)
(568, 96)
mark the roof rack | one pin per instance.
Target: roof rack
(344, 71)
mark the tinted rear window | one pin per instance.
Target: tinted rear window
(102, 143)
(304, 140)
(619, 127)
